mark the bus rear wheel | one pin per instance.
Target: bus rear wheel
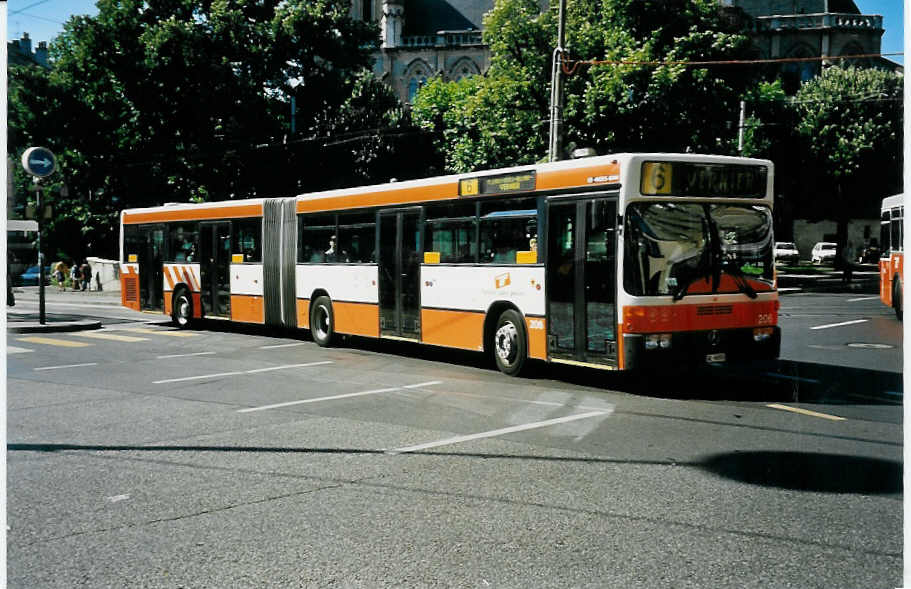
(322, 323)
(182, 309)
(897, 298)
(510, 344)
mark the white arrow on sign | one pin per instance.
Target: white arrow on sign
(44, 162)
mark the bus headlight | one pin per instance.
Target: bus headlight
(658, 340)
(761, 334)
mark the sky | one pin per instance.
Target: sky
(43, 19)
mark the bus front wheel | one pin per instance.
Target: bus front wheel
(897, 298)
(322, 324)
(510, 344)
(182, 309)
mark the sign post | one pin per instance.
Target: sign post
(39, 162)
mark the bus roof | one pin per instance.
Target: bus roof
(589, 173)
(896, 200)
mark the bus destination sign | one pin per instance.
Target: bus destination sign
(503, 183)
(702, 180)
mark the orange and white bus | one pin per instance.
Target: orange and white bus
(623, 261)
(891, 241)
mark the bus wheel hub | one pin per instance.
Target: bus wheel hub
(505, 339)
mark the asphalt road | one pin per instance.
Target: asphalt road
(140, 456)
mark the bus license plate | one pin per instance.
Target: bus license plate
(715, 357)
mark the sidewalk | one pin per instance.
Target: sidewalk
(20, 320)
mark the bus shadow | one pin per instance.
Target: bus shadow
(775, 381)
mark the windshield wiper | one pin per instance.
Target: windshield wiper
(702, 271)
(740, 278)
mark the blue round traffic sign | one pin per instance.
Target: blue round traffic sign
(39, 161)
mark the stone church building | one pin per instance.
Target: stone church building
(425, 38)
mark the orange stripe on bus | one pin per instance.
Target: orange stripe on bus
(697, 317)
(621, 361)
(553, 179)
(193, 214)
(356, 318)
(247, 309)
(303, 313)
(453, 329)
(188, 276)
(168, 300)
(536, 328)
(380, 198)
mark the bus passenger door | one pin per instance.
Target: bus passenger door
(400, 274)
(581, 281)
(215, 269)
(151, 273)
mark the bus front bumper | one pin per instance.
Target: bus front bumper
(695, 348)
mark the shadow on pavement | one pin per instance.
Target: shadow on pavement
(804, 471)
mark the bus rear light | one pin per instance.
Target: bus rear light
(760, 334)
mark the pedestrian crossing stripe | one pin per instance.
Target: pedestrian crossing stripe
(110, 336)
(159, 332)
(15, 350)
(53, 342)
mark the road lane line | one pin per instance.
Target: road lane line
(271, 368)
(282, 346)
(67, 366)
(159, 332)
(219, 374)
(840, 324)
(342, 396)
(110, 336)
(54, 342)
(15, 350)
(863, 299)
(183, 355)
(497, 432)
(806, 412)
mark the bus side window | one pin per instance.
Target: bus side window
(249, 239)
(317, 236)
(884, 234)
(896, 224)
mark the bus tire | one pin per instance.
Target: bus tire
(322, 322)
(510, 344)
(897, 298)
(182, 309)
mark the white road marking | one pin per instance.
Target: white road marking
(497, 432)
(117, 498)
(805, 412)
(15, 350)
(840, 324)
(219, 374)
(184, 355)
(282, 346)
(343, 396)
(67, 366)
(863, 299)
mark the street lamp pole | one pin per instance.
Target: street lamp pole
(556, 91)
(38, 215)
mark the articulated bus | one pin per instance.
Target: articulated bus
(623, 261)
(891, 254)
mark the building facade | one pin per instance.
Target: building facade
(425, 38)
(19, 52)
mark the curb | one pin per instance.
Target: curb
(61, 326)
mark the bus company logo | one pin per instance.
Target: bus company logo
(714, 338)
(501, 280)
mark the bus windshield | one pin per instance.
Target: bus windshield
(692, 248)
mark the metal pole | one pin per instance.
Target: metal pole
(743, 108)
(39, 215)
(556, 91)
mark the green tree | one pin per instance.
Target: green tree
(850, 124)
(171, 100)
(503, 118)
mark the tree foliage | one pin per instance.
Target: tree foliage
(503, 118)
(176, 100)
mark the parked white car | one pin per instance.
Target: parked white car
(823, 252)
(786, 252)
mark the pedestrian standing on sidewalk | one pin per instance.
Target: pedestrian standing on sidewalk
(60, 271)
(86, 272)
(75, 275)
